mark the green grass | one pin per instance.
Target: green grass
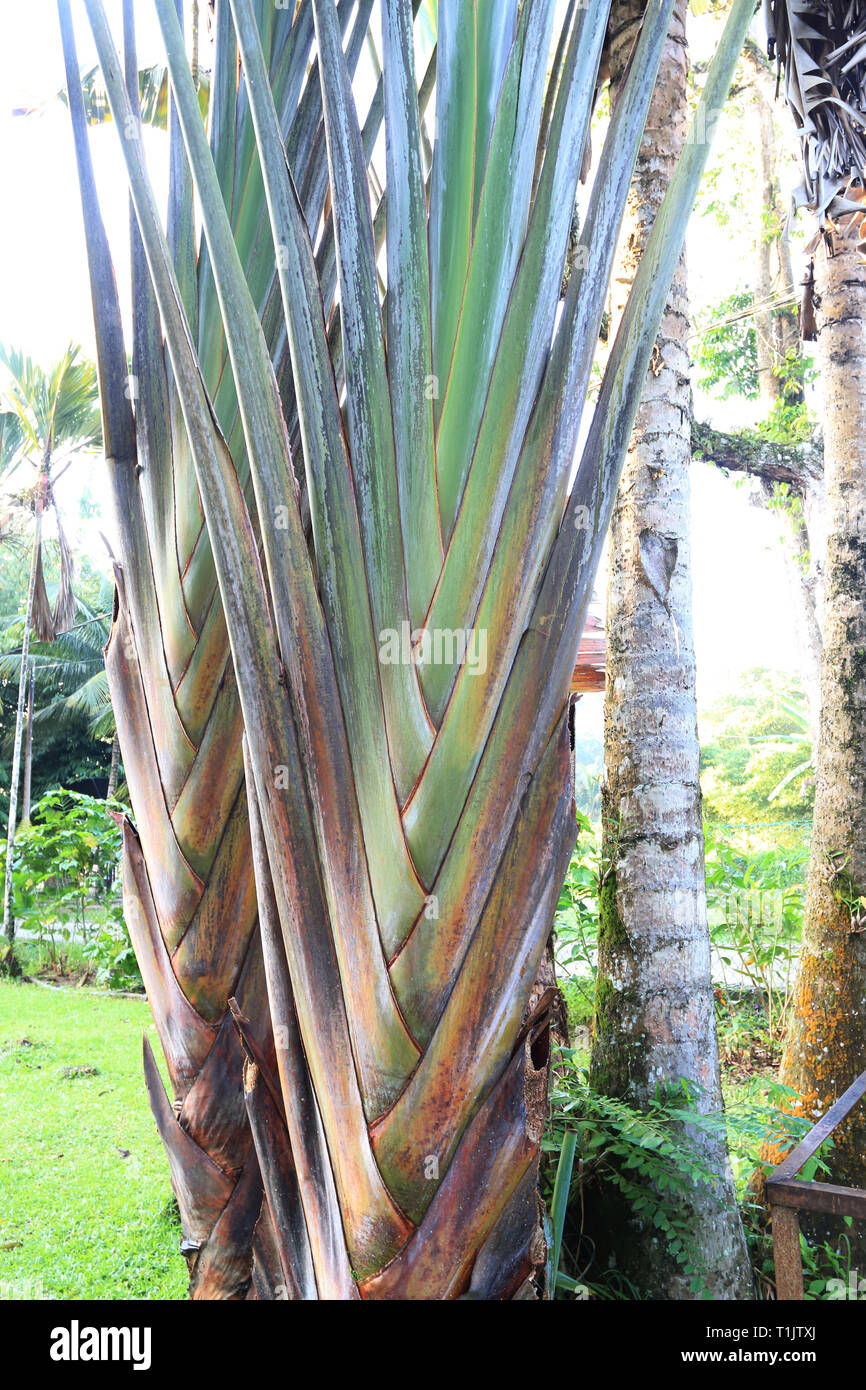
(78, 1219)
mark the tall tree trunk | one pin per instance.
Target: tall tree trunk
(115, 768)
(8, 912)
(654, 1020)
(28, 749)
(826, 1044)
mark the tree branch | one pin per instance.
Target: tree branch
(798, 465)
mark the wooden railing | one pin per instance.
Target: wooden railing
(789, 1195)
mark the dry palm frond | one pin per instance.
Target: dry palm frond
(63, 615)
(43, 618)
(821, 47)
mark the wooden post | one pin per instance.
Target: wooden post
(786, 1254)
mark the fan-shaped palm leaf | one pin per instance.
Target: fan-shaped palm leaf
(403, 661)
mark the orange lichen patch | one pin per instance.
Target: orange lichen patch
(825, 1046)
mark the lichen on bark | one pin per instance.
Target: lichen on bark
(825, 1048)
(654, 1020)
(619, 1051)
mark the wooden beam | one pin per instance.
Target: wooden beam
(818, 1196)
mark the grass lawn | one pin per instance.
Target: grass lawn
(86, 1209)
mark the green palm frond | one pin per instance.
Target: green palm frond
(71, 669)
(90, 699)
(54, 410)
(152, 95)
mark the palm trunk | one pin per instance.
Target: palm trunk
(826, 1044)
(769, 383)
(28, 750)
(804, 548)
(775, 328)
(654, 1020)
(8, 909)
(115, 768)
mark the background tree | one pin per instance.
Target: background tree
(821, 48)
(654, 1013)
(51, 416)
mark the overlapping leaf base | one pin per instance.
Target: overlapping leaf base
(351, 537)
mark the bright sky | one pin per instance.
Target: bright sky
(742, 610)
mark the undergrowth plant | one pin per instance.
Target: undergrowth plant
(755, 904)
(64, 890)
(653, 1159)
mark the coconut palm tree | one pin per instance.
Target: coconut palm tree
(351, 536)
(50, 417)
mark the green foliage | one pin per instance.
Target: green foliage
(74, 721)
(63, 885)
(63, 754)
(783, 500)
(752, 739)
(641, 1154)
(755, 905)
(109, 953)
(576, 923)
(588, 766)
(653, 1160)
(69, 673)
(559, 1202)
(726, 352)
(790, 420)
(720, 197)
(746, 1103)
(829, 1273)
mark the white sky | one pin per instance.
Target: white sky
(742, 608)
